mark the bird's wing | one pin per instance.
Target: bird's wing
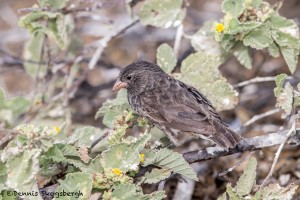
(193, 112)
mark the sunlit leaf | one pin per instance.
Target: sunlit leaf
(164, 14)
(79, 183)
(241, 52)
(166, 58)
(233, 7)
(168, 159)
(247, 180)
(201, 71)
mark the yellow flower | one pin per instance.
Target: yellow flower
(56, 129)
(142, 158)
(220, 27)
(117, 171)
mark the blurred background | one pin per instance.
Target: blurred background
(104, 32)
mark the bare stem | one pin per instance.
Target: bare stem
(277, 154)
(178, 38)
(261, 116)
(258, 80)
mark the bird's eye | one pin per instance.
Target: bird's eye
(128, 77)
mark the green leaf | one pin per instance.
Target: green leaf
(79, 183)
(3, 175)
(56, 4)
(278, 21)
(235, 26)
(258, 38)
(11, 108)
(162, 14)
(55, 25)
(285, 98)
(55, 154)
(174, 161)
(291, 57)
(32, 51)
(82, 137)
(247, 180)
(22, 171)
(166, 58)
(233, 7)
(133, 192)
(241, 52)
(275, 192)
(274, 50)
(112, 108)
(156, 175)
(203, 40)
(279, 80)
(231, 193)
(126, 155)
(201, 71)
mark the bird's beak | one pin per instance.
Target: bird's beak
(119, 85)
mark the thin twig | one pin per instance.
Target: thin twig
(178, 38)
(258, 80)
(277, 154)
(102, 43)
(261, 116)
(236, 165)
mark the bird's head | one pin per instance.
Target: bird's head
(138, 76)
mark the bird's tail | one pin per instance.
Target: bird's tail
(224, 136)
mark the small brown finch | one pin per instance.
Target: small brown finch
(176, 108)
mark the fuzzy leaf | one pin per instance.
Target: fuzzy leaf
(32, 51)
(166, 58)
(279, 80)
(174, 161)
(243, 56)
(11, 108)
(55, 28)
(275, 192)
(56, 4)
(278, 21)
(22, 171)
(203, 40)
(285, 98)
(274, 50)
(112, 108)
(247, 180)
(291, 57)
(82, 137)
(126, 155)
(156, 175)
(231, 193)
(233, 7)
(201, 71)
(133, 192)
(258, 38)
(164, 14)
(235, 26)
(79, 183)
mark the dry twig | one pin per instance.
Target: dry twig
(277, 154)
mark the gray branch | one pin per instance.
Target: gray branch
(247, 144)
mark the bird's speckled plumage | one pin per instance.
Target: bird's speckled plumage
(176, 108)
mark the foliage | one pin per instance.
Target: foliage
(256, 24)
(246, 183)
(10, 109)
(287, 97)
(41, 155)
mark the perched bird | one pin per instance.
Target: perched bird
(176, 108)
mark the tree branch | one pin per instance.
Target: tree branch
(247, 144)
